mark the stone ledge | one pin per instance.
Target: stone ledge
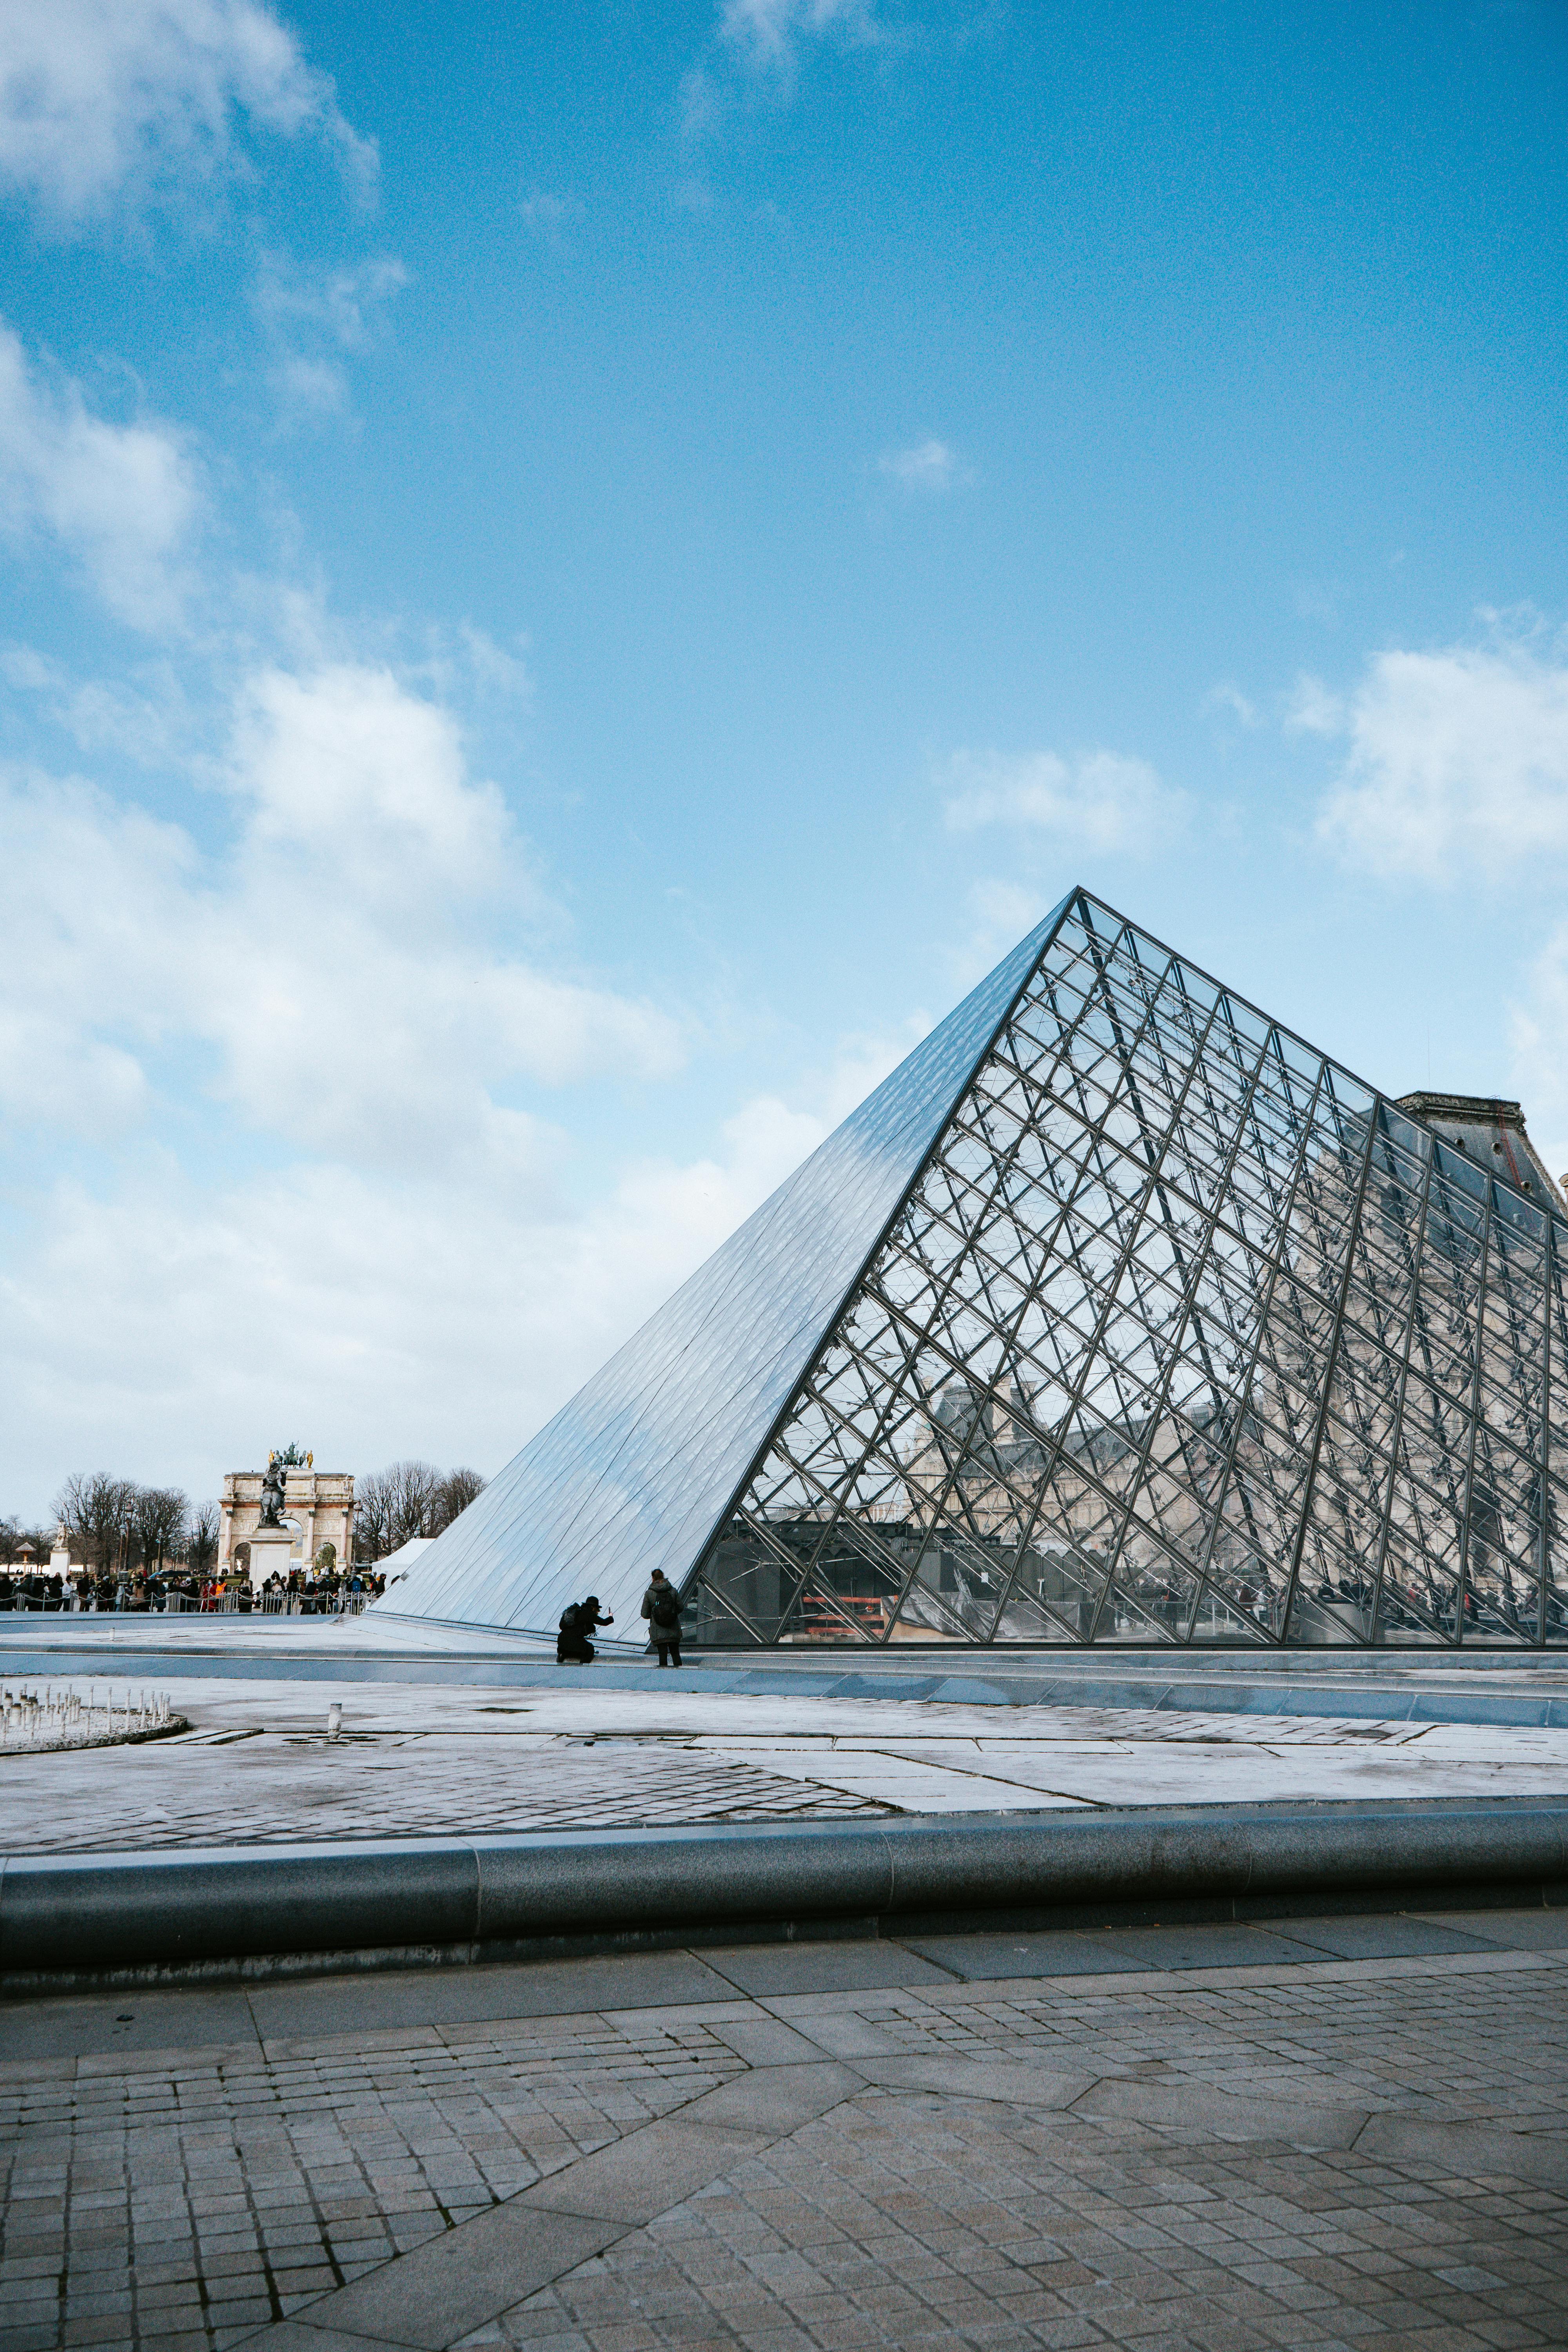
(473, 1898)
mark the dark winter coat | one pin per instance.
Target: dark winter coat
(662, 1605)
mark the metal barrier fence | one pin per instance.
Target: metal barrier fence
(218, 1604)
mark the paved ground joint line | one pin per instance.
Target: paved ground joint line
(562, 2195)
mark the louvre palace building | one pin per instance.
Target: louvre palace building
(1117, 1314)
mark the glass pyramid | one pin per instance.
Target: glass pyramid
(1116, 1314)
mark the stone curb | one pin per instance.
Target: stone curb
(472, 1898)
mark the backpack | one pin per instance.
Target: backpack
(665, 1609)
(571, 1619)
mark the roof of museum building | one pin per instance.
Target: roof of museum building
(1487, 1127)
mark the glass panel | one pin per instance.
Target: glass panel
(1152, 1593)
(1419, 1602)
(1502, 1580)
(1216, 1621)
(749, 1584)
(1056, 1585)
(960, 1580)
(1028, 1616)
(1252, 1589)
(856, 1581)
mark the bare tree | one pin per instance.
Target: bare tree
(407, 1499)
(201, 1538)
(373, 1514)
(414, 1489)
(454, 1493)
(160, 1515)
(95, 1509)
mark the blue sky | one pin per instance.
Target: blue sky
(573, 576)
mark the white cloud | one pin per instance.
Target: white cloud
(348, 767)
(701, 103)
(143, 717)
(1230, 699)
(1001, 913)
(170, 1325)
(313, 315)
(340, 303)
(308, 389)
(767, 34)
(103, 96)
(124, 499)
(93, 883)
(492, 668)
(1102, 802)
(343, 972)
(173, 1328)
(1316, 602)
(326, 1190)
(24, 668)
(928, 465)
(1457, 764)
(1311, 709)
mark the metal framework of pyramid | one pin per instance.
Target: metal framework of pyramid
(1116, 1314)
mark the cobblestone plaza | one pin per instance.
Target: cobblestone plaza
(1322, 2132)
(258, 1766)
(1333, 2133)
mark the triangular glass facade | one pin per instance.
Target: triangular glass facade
(639, 1469)
(1152, 1325)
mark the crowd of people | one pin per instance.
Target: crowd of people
(304, 1592)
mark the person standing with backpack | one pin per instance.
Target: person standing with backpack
(662, 1605)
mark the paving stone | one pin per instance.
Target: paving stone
(1021, 2081)
(1207, 1944)
(440, 1997)
(647, 2172)
(429, 2298)
(1192, 2106)
(141, 2022)
(832, 1967)
(1535, 1930)
(1399, 1937)
(766, 2041)
(289, 2336)
(771, 2101)
(1060, 1953)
